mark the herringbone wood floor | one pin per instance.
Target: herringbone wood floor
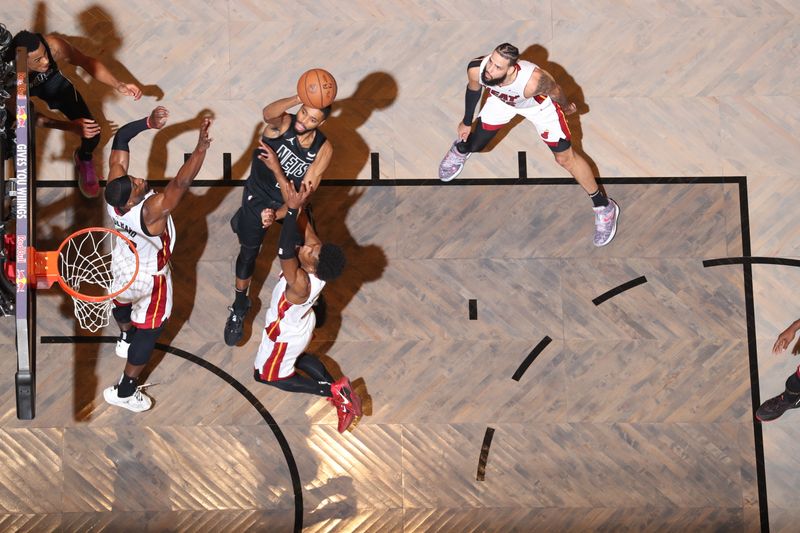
(636, 417)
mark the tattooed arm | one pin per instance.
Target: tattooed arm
(541, 82)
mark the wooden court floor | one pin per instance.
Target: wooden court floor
(635, 416)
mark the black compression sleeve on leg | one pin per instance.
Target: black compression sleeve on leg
(128, 132)
(471, 99)
(297, 383)
(793, 384)
(478, 139)
(314, 368)
(289, 238)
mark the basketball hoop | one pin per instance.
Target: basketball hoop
(83, 268)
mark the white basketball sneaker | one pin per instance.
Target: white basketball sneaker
(136, 402)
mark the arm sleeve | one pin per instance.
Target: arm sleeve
(128, 132)
(289, 237)
(471, 99)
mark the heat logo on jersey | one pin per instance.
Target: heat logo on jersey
(292, 165)
(507, 98)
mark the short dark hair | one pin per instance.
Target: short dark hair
(118, 191)
(326, 111)
(29, 40)
(330, 263)
(508, 51)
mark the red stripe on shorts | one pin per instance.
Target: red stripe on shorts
(154, 316)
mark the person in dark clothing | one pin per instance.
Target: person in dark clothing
(47, 83)
(304, 154)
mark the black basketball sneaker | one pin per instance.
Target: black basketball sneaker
(775, 407)
(234, 326)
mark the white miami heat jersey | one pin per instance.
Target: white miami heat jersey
(154, 250)
(513, 94)
(287, 321)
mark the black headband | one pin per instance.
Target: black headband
(118, 191)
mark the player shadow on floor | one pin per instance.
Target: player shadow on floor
(100, 40)
(375, 92)
(324, 499)
(365, 264)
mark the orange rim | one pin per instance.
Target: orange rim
(86, 297)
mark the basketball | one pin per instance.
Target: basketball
(316, 88)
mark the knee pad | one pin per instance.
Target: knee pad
(122, 313)
(143, 344)
(246, 261)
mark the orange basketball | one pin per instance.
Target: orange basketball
(316, 88)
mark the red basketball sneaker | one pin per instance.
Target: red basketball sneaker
(346, 401)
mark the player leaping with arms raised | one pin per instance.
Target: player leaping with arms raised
(290, 318)
(144, 216)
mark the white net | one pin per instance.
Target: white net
(89, 265)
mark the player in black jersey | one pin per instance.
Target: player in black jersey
(50, 85)
(291, 145)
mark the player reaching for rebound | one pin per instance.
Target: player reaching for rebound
(144, 216)
(522, 88)
(290, 318)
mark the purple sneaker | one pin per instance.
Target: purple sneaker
(87, 180)
(605, 223)
(452, 164)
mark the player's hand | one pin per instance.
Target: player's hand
(310, 184)
(86, 127)
(296, 199)
(268, 156)
(784, 339)
(267, 217)
(463, 131)
(129, 89)
(158, 117)
(203, 139)
(570, 108)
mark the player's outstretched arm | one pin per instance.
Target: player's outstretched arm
(85, 127)
(786, 337)
(119, 159)
(296, 277)
(157, 208)
(93, 66)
